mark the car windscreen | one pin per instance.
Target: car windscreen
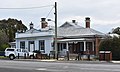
(10, 49)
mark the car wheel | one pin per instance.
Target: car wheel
(11, 57)
(31, 57)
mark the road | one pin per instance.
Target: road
(32, 66)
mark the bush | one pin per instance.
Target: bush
(4, 46)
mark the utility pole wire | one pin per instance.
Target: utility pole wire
(31, 8)
(49, 12)
(47, 15)
(28, 7)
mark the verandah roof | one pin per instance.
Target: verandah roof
(75, 40)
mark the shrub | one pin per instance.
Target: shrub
(4, 46)
(113, 45)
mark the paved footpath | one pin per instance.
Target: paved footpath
(70, 61)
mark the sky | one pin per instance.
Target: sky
(104, 14)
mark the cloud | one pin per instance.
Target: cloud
(25, 3)
(104, 14)
(101, 25)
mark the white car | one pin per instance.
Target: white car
(12, 53)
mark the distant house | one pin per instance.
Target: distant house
(113, 35)
(71, 37)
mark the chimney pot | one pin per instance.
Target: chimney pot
(31, 25)
(87, 18)
(73, 21)
(43, 19)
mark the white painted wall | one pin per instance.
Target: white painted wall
(48, 45)
(36, 45)
(48, 42)
(21, 35)
(26, 44)
(17, 43)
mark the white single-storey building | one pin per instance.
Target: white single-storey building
(70, 37)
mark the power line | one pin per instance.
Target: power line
(28, 7)
(46, 16)
(37, 26)
(31, 8)
(49, 12)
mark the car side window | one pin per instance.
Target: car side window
(24, 50)
(19, 50)
(10, 49)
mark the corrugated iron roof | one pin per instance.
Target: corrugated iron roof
(71, 29)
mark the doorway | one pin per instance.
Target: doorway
(31, 46)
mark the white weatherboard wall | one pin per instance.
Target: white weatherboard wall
(36, 45)
(17, 44)
(48, 45)
(48, 42)
(21, 35)
(26, 44)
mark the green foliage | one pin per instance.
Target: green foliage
(8, 28)
(11, 26)
(3, 37)
(3, 40)
(4, 46)
(113, 45)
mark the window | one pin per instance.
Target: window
(64, 45)
(10, 49)
(19, 50)
(89, 46)
(41, 45)
(81, 46)
(22, 44)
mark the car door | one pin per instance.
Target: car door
(24, 52)
(18, 52)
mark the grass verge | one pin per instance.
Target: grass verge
(2, 57)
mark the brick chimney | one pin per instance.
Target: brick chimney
(87, 22)
(31, 25)
(44, 24)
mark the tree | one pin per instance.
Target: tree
(113, 45)
(3, 40)
(11, 26)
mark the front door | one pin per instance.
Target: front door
(31, 46)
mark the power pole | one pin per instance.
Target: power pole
(56, 50)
